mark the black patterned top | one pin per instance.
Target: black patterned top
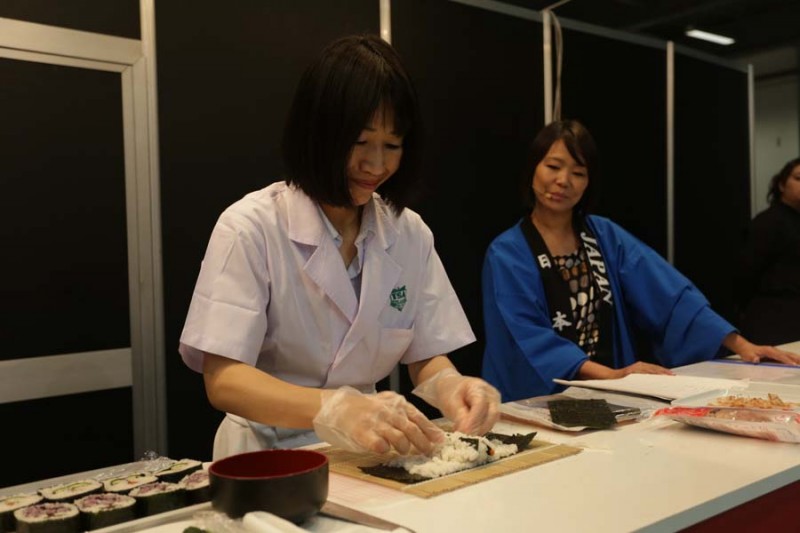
(583, 298)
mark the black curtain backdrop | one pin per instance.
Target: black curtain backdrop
(479, 78)
(617, 89)
(712, 175)
(111, 17)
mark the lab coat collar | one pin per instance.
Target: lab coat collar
(306, 226)
(325, 267)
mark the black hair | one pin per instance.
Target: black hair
(336, 98)
(774, 194)
(581, 146)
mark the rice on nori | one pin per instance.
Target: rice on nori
(70, 491)
(197, 486)
(159, 497)
(178, 470)
(124, 484)
(53, 517)
(107, 509)
(9, 504)
(459, 452)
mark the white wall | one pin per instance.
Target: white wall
(777, 139)
(777, 115)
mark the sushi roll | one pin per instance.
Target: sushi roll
(106, 509)
(158, 497)
(177, 470)
(197, 487)
(51, 517)
(124, 484)
(9, 504)
(67, 492)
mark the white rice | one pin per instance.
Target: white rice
(179, 466)
(96, 503)
(17, 501)
(46, 511)
(73, 489)
(195, 480)
(126, 483)
(454, 455)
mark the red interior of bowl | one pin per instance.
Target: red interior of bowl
(268, 463)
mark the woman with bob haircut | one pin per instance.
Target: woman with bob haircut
(769, 275)
(564, 291)
(314, 288)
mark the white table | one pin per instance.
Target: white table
(652, 476)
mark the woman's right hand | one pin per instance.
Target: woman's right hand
(374, 423)
(640, 367)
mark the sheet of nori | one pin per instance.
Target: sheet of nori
(401, 475)
(198, 494)
(594, 414)
(160, 502)
(107, 517)
(70, 524)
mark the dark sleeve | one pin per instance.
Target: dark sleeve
(758, 252)
(668, 307)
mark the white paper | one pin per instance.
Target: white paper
(658, 385)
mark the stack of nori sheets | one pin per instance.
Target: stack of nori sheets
(594, 414)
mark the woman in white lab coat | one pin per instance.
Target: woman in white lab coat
(313, 289)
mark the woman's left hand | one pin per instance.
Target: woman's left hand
(471, 403)
(755, 354)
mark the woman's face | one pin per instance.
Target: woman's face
(790, 191)
(375, 156)
(559, 181)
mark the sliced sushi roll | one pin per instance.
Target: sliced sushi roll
(176, 471)
(124, 484)
(9, 504)
(50, 517)
(158, 497)
(67, 492)
(197, 487)
(106, 509)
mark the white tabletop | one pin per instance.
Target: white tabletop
(651, 476)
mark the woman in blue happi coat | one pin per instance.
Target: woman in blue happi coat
(565, 293)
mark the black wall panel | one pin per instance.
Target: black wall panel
(63, 435)
(479, 78)
(112, 17)
(64, 276)
(618, 90)
(712, 181)
(225, 77)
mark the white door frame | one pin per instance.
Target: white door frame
(142, 365)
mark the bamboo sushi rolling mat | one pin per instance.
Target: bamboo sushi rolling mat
(538, 452)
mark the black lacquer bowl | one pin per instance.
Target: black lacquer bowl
(292, 484)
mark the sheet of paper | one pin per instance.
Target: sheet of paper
(732, 369)
(658, 386)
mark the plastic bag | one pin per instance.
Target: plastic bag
(767, 424)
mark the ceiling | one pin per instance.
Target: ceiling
(757, 25)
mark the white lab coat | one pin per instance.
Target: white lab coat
(273, 292)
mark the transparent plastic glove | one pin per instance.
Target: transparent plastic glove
(374, 423)
(470, 403)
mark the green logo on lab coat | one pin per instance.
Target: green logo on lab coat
(398, 298)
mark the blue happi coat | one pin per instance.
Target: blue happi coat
(524, 354)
